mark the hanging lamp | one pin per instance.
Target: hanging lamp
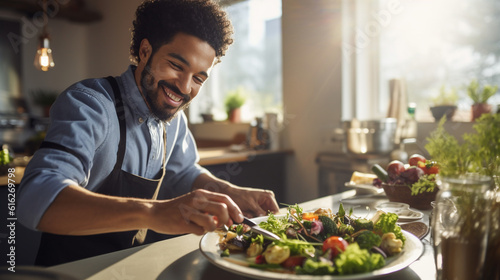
(43, 58)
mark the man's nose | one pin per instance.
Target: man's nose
(184, 84)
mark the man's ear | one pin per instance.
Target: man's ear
(145, 50)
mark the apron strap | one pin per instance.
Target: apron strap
(120, 113)
(140, 236)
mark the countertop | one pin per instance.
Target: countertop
(180, 257)
(211, 156)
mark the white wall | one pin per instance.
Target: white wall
(109, 39)
(311, 88)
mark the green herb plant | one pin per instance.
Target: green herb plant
(480, 95)
(478, 153)
(235, 99)
(446, 97)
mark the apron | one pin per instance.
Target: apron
(56, 249)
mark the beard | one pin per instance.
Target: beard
(151, 93)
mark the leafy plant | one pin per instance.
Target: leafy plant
(480, 95)
(484, 146)
(446, 97)
(479, 152)
(235, 99)
(453, 158)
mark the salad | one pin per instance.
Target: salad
(317, 243)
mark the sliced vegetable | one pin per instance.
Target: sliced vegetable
(309, 217)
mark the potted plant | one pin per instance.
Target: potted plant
(480, 98)
(444, 104)
(233, 102)
(44, 99)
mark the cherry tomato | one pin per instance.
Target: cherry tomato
(335, 244)
(429, 167)
(415, 159)
(293, 261)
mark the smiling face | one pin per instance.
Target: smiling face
(173, 75)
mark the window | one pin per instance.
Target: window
(430, 44)
(252, 63)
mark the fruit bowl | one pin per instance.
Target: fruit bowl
(402, 193)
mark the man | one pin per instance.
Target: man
(118, 157)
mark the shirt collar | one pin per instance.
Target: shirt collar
(133, 96)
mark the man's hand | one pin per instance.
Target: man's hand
(252, 202)
(77, 211)
(197, 212)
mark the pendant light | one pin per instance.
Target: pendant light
(43, 58)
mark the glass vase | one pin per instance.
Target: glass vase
(460, 226)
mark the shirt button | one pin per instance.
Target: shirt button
(141, 120)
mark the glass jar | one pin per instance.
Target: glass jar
(492, 269)
(460, 226)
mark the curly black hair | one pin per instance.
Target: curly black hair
(160, 20)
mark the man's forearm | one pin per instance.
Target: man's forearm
(77, 211)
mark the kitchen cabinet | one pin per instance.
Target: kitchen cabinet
(259, 169)
(336, 168)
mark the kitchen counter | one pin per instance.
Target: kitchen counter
(223, 155)
(180, 258)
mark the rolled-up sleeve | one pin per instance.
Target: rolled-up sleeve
(79, 123)
(182, 166)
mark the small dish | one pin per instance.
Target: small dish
(364, 188)
(401, 209)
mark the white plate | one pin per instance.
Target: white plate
(210, 249)
(402, 210)
(364, 188)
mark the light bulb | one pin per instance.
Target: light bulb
(43, 58)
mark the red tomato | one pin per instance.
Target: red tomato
(395, 168)
(335, 244)
(429, 167)
(293, 261)
(415, 159)
(260, 259)
(434, 169)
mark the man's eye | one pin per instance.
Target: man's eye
(175, 66)
(199, 80)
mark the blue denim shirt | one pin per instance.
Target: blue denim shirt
(84, 119)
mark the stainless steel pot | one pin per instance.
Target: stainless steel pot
(370, 136)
